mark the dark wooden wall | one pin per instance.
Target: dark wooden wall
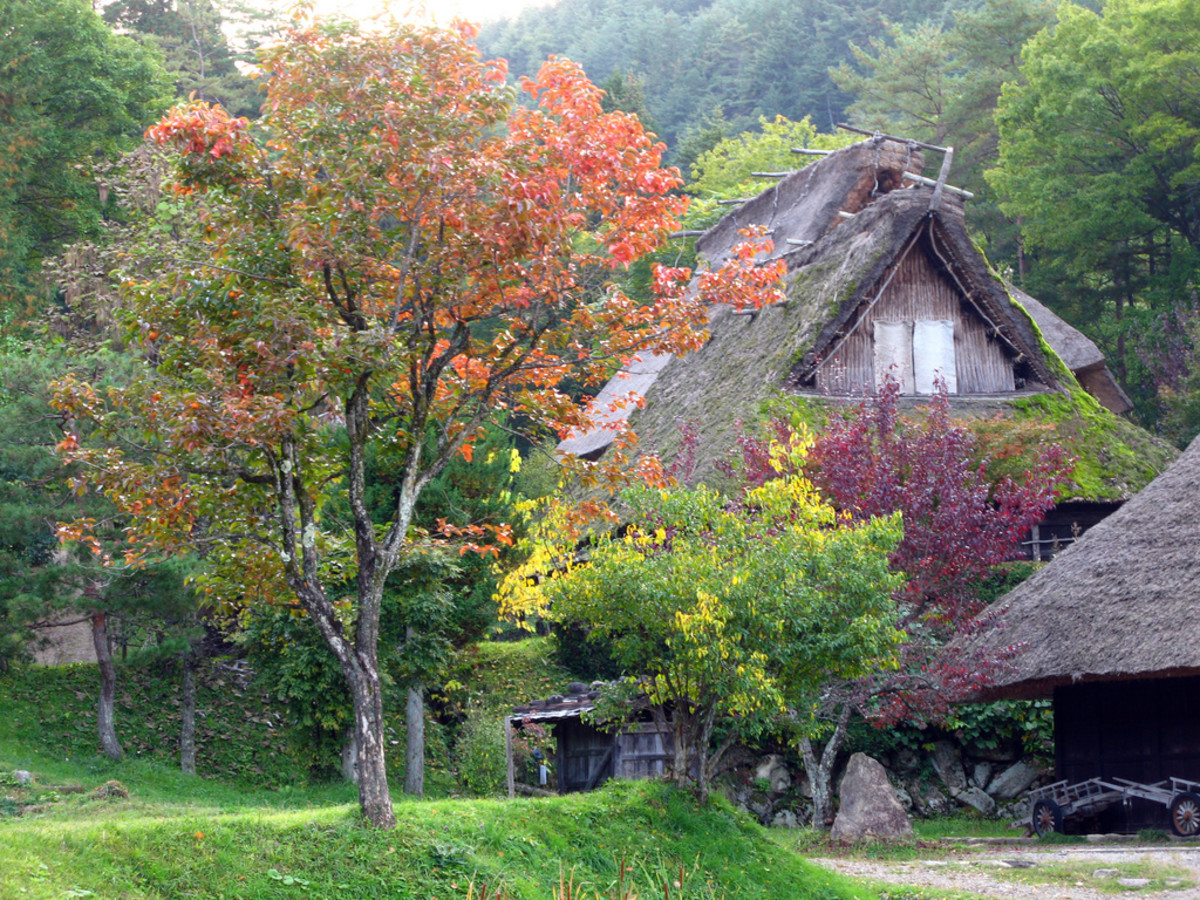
(1144, 730)
(919, 291)
(1062, 525)
(585, 755)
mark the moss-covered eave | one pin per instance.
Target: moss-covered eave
(1112, 458)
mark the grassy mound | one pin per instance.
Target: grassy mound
(175, 836)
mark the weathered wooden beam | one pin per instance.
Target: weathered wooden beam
(510, 772)
(936, 200)
(796, 242)
(890, 137)
(932, 182)
(595, 775)
(805, 151)
(694, 232)
(770, 174)
(846, 215)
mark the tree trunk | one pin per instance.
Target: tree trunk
(373, 795)
(820, 771)
(1022, 265)
(187, 712)
(707, 719)
(414, 745)
(108, 687)
(681, 732)
(350, 757)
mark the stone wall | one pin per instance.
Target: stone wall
(62, 645)
(940, 779)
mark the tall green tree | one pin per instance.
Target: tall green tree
(72, 94)
(1100, 159)
(195, 50)
(42, 583)
(942, 85)
(905, 84)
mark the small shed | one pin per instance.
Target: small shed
(587, 756)
(1109, 630)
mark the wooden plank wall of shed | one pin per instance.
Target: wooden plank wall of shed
(643, 751)
(919, 291)
(1144, 730)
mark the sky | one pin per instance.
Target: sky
(443, 10)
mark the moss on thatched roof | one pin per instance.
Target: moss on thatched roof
(1121, 602)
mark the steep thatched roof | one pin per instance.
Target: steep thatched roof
(841, 224)
(1121, 602)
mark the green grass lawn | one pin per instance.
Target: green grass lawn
(176, 836)
(252, 826)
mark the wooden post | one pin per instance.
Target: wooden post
(508, 757)
(889, 137)
(936, 200)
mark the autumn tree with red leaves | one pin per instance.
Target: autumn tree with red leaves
(958, 524)
(392, 256)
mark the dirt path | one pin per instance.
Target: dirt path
(978, 872)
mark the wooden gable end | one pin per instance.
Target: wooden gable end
(918, 323)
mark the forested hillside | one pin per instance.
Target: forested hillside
(739, 59)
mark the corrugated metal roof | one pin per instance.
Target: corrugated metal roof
(580, 698)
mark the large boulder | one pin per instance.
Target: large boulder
(869, 808)
(1013, 781)
(977, 799)
(947, 762)
(928, 800)
(785, 818)
(981, 774)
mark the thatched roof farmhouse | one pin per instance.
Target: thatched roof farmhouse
(882, 277)
(1109, 630)
(1123, 602)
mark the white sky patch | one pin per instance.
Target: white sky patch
(439, 10)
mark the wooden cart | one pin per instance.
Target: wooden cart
(1053, 804)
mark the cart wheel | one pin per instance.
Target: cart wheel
(1185, 815)
(1047, 817)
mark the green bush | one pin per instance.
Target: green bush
(479, 754)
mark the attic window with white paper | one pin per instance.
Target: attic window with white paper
(916, 354)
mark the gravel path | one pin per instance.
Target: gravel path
(970, 871)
